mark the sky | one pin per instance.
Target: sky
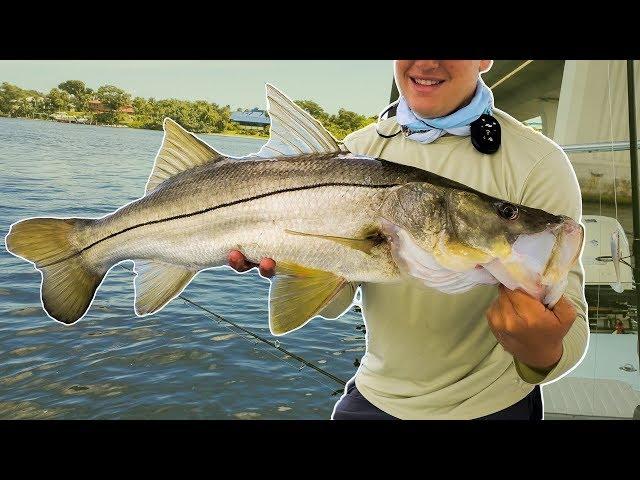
(362, 86)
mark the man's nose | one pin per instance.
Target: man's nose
(427, 64)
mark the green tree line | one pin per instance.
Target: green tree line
(339, 125)
(73, 98)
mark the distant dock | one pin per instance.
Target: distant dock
(64, 118)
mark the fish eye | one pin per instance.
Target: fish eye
(508, 211)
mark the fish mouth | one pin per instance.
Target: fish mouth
(539, 263)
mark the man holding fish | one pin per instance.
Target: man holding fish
(480, 354)
(427, 211)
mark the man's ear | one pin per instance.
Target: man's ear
(485, 65)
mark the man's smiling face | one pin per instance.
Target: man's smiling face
(435, 88)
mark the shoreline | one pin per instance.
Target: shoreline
(241, 135)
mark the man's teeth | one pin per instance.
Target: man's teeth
(419, 81)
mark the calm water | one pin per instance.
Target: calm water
(176, 364)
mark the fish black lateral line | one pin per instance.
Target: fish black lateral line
(330, 219)
(214, 207)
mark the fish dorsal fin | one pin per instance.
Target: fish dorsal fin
(157, 283)
(300, 293)
(180, 151)
(293, 131)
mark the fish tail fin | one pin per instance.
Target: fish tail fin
(69, 283)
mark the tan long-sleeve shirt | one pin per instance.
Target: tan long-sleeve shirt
(431, 355)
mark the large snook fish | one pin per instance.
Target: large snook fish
(329, 218)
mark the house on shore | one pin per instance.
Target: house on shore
(97, 106)
(252, 119)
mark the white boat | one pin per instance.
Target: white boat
(606, 384)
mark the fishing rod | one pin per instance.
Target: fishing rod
(609, 258)
(635, 195)
(275, 344)
(268, 342)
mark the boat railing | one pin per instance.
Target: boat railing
(597, 147)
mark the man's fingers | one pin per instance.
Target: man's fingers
(511, 317)
(493, 321)
(493, 317)
(267, 267)
(239, 262)
(496, 320)
(565, 311)
(523, 304)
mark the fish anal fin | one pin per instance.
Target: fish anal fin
(157, 283)
(298, 294)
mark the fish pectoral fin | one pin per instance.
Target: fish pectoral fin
(180, 151)
(300, 293)
(157, 283)
(364, 244)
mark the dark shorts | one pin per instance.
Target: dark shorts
(353, 406)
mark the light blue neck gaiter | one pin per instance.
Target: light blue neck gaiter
(426, 130)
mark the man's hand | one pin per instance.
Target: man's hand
(528, 330)
(239, 263)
